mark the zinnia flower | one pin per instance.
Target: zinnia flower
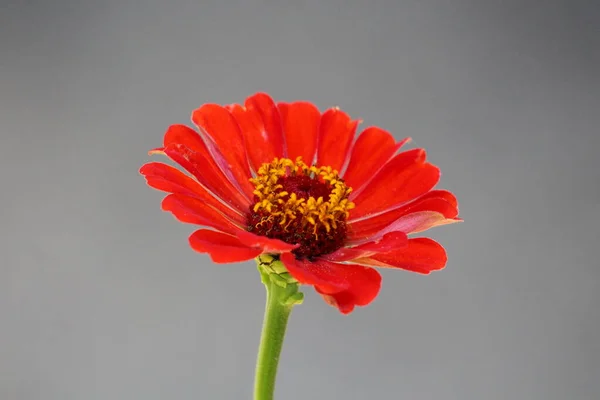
(287, 180)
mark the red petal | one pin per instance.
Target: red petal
(440, 201)
(203, 167)
(221, 247)
(226, 143)
(404, 178)
(194, 211)
(341, 285)
(373, 148)
(263, 142)
(335, 138)
(410, 223)
(266, 244)
(186, 136)
(418, 222)
(186, 147)
(388, 242)
(265, 107)
(422, 255)
(244, 246)
(300, 121)
(168, 179)
(258, 147)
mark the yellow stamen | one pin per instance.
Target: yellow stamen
(285, 207)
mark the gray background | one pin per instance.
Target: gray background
(101, 297)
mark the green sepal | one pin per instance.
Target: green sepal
(273, 271)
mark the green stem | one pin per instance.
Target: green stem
(282, 295)
(271, 342)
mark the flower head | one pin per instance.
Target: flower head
(287, 180)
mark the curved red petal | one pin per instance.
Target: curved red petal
(419, 221)
(203, 167)
(300, 121)
(388, 242)
(184, 135)
(169, 179)
(341, 285)
(221, 247)
(186, 147)
(267, 245)
(422, 255)
(264, 106)
(440, 201)
(261, 127)
(406, 177)
(226, 143)
(336, 132)
(373, 148)
(191, 210)
(410, 223)
(258, 147)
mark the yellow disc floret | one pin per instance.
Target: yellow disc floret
(300, 204)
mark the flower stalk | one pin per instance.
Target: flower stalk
(282, 295)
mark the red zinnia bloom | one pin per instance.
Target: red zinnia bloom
(264, 178)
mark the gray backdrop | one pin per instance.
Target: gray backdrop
(101, 297)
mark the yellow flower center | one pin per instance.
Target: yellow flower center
(300, 204)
